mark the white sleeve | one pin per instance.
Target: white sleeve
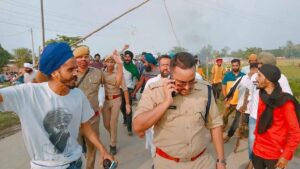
(101, 95)
(284, 84)
(12, 98)
(87, 111)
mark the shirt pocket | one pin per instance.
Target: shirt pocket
(199, 111)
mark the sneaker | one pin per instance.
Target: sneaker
(113, 150)
(130, 133)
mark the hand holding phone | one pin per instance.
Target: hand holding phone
(107, 164)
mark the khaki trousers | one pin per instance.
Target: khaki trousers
(111, 111)
(91, 149)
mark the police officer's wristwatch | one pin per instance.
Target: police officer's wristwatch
(222, 161)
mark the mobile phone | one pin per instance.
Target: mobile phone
(173, 93)
(107, 164)
(113, 165)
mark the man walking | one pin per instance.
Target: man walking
(131, 75)
(227, 83)
(51, 113)
(217, 72)
(89, 81)
(181, 131)
(277, 133)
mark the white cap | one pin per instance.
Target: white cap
(28, 65)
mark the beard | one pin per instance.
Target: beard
(148, 68)
(70, 83)
(164, 74)
(28, 71)
(253, 65)
(235, 70)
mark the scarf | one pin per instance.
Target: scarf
(130, 67)
(276, 99)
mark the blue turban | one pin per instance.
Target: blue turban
(150, 58)
(53, 56)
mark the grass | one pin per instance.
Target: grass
(8, 119)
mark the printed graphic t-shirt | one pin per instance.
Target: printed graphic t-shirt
(50, 122)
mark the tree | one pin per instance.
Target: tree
(22, 55)
(253, 50)
(63, 38)
(224, 51)
(177, 49)
(4, 56)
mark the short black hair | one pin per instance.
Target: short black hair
(236, 61)
(163, 56)
(128, 52)
(183, 60)
(97, 54)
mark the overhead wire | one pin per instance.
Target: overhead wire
(171, 23)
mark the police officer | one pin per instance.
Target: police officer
(181, 134)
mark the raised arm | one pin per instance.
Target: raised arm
(118, 61)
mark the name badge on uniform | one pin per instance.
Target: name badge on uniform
(172, 107)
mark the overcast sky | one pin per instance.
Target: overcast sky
(234, 23)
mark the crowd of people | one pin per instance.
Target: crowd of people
(61, 104)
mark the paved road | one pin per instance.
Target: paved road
(131, 155)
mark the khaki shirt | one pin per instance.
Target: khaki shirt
(181, 131)
(110, 84)
(90, 86)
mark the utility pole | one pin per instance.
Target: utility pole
(32, 42)
(43, 26)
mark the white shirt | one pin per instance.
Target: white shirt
(50, 122)
(254, 93)
(241, 87)
(29, 77)
(130, 83)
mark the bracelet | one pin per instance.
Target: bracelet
(223, 161)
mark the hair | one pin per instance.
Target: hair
(183, 60)
(163, 57)
(97, 54)
(128, 52)
(236, 61)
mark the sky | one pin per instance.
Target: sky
(236, 24)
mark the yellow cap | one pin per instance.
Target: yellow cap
(81, 51)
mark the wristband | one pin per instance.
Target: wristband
(223, 161)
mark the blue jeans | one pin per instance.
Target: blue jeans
(76, 164)
(252, 124)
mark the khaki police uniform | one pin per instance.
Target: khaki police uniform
(112, 104)
(90, 87)
(181, 132)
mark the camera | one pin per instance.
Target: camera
(107, 164)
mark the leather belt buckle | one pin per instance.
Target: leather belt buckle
(184, 159)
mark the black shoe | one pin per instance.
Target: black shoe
(113, 150)
(130, 133)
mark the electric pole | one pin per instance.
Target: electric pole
(43, 26)
(32, 42)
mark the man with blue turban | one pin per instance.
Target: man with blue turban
(151, 70)
(52, 112)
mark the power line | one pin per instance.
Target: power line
(171, 23)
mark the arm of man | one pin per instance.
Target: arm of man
(148, 115)
(293, 138)
(128, 107)
(138, 86)
(215, 124)
(118, 61)
(217, 137)
(89, 133)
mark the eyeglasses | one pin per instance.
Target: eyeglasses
(182, 84)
